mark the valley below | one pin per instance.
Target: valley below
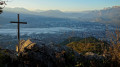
(56, 35)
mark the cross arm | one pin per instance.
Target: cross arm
(19, 22)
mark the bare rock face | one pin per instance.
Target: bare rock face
(91, 55)
(28, 44)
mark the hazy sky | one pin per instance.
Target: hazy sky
(63, 5)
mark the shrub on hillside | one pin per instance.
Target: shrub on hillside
(88, 45)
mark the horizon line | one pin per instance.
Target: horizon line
(63, 10)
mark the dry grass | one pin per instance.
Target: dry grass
(114, 49)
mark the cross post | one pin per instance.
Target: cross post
(18, 35)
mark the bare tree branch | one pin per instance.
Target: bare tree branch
(2, 5)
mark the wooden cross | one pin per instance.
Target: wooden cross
(18, 30)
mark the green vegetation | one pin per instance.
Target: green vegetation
(82, 40)
(89, 44)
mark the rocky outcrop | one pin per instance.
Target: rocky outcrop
(91, 56)
(35, 53)
(28, 44)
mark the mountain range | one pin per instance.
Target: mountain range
(106, 15)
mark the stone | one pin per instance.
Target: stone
(28, 44)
